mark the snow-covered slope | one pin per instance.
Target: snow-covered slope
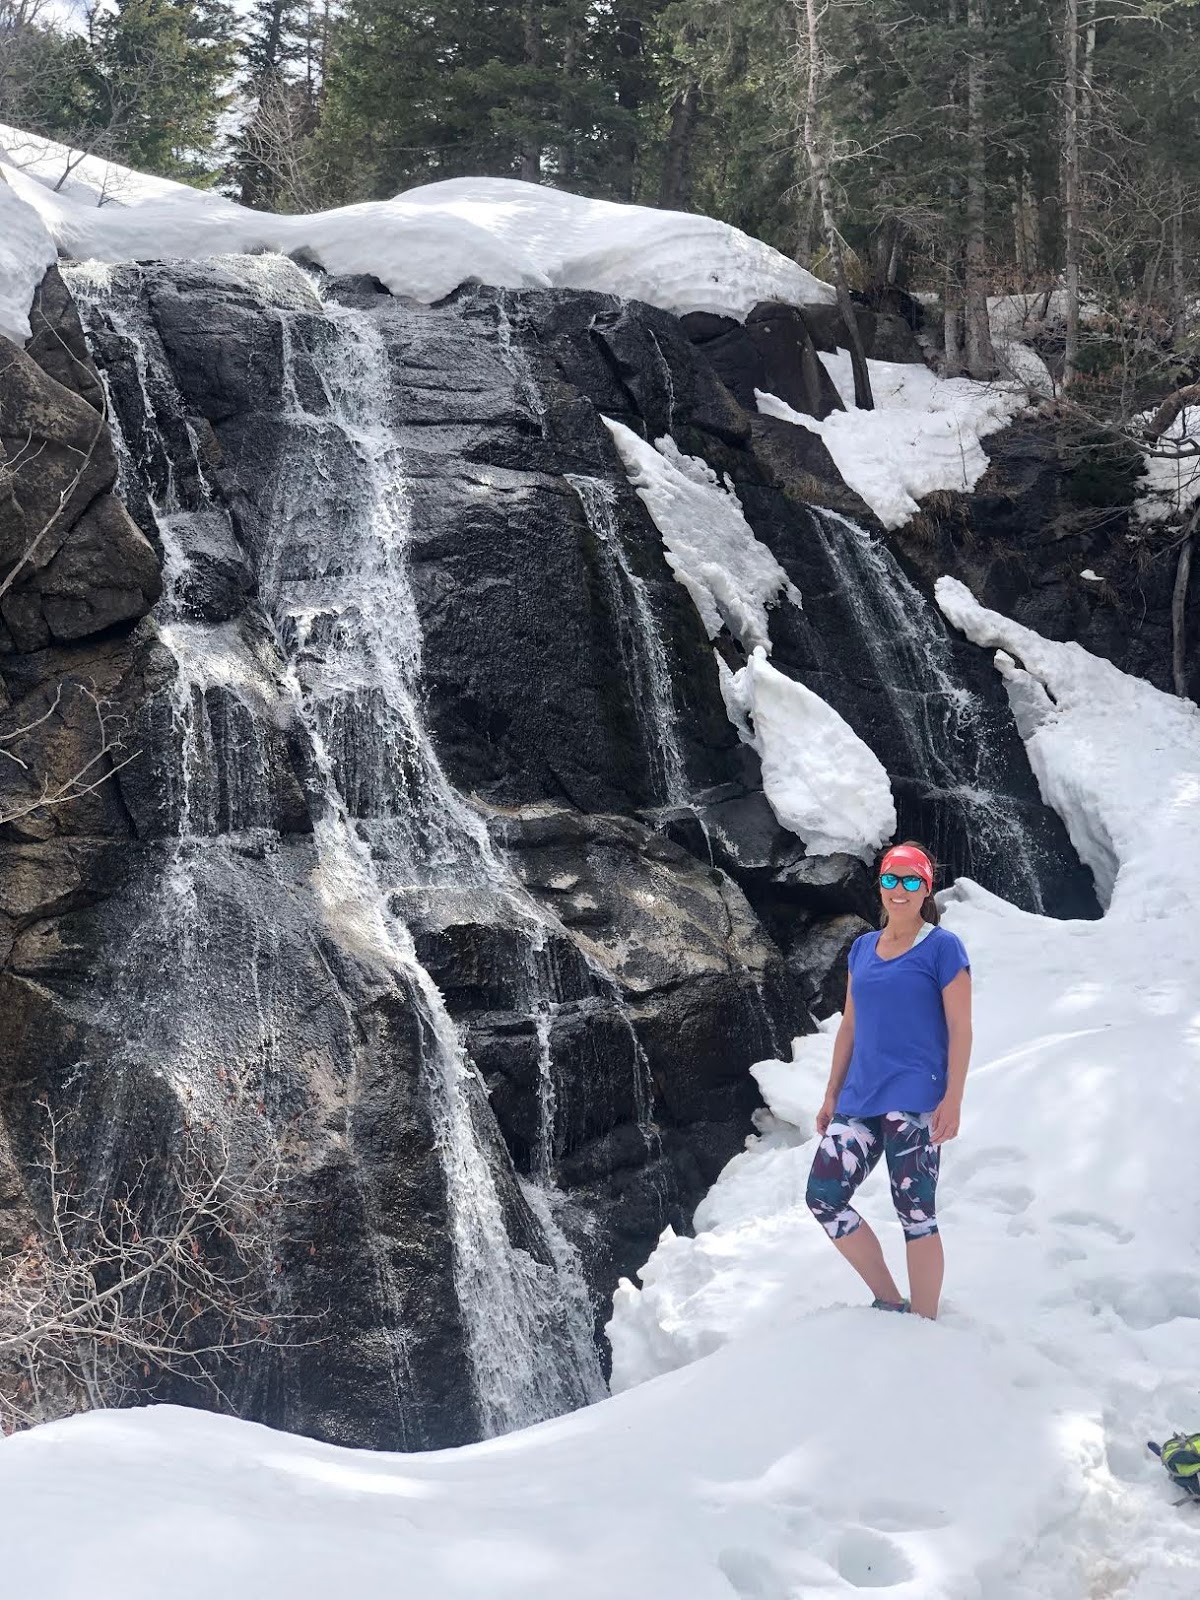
(924, 433)
(423, 243)
(26, 250)
(714, 553)
(1074, 1263)
(776, 1439)
(1170, 486)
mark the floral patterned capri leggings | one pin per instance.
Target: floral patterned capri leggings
(851, 1149)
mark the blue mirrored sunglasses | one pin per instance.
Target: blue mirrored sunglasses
(911, 882)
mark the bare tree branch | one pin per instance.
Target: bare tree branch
(169, 1272)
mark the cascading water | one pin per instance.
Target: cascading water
(939, 717)
(394, 842)
(643, 653)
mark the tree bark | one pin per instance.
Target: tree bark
(629, 98)
(1183, 572)
(273, 42)
(531, 149)
(566, 150)
(675, 187)
(952, 320)
(1071, 213)
(823, 192)
(980, 358)
(1170, 408)
(1178, 269)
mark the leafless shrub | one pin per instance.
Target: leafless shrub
(169, 1275)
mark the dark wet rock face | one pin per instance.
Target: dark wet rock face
(393, 884)
(1049, 508)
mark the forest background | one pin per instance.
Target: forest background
(957, 148)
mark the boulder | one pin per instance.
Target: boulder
(818, 961)
(771, 351)
(57, 456)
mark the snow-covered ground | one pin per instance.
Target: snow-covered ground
(423, 243)
(924, 433)
(26, 250)
(1074, 1263)
(775, 1439)
(1170, 487)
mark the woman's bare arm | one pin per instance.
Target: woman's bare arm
(956, 1002)
(843, 1049)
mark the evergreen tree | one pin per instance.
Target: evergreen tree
(548, 90)
(280, 84)
(46, 73)
(161, 69)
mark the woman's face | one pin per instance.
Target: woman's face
(901, 902)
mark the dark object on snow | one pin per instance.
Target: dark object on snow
(1180, 1455)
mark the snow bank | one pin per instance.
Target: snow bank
(737, 1479)
(90, 180)
(1074, 1275)
(822, 781)
(924, 433)
(26, 250)
(423, 243)
(1023, 365)
(1017, 316)
(1169, 488)
(1010, 315)
(711, 548)
(1116, 758)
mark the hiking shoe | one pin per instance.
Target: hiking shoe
(890, 1305)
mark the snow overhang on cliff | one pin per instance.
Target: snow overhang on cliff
(424, 242)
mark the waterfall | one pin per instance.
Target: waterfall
(340, 664)
(547, 1097)
(941, 721)
(640, 641)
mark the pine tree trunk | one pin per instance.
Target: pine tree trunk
(1178, 271)
(531, 150)
(980, 359)
(809, 231)
(952, 319)
(273, 43)
(952, 295)
(1071, 214)
(1020, 242)
(1183, 572)
(566, 117)
(823, 193)
(675, 187)
(629, 98)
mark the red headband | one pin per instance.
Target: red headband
(907, 855)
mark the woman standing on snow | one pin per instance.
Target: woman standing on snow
(896, 1086)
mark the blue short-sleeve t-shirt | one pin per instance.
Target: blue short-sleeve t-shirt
(901, 1042)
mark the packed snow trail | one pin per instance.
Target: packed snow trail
(778, 1440)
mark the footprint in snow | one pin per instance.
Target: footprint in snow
(867, 1559)
(752, 1576)
(970, 1163)
(1092, 1219)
